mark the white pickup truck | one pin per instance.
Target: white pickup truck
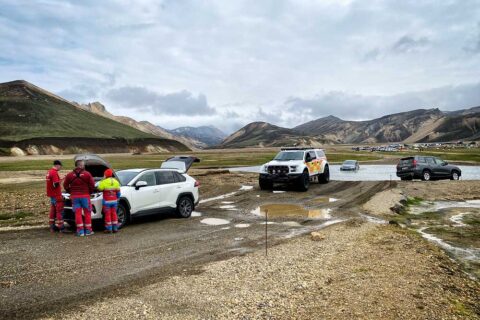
(295, 165)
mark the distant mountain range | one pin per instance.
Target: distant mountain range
(208, 135)
(422, 125)
(35, 121)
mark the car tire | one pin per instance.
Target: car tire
(123, 216)
(426, 175)
(325, 176)
(265, 184)
(303, 182)
(455, 175)
(185, 207)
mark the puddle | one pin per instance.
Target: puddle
(196, 214)
(242, 225)
(458, 219)
(228, 206)
(227, 202)
(452, 225)
(297, 232)
(226, 228)
(220, 197)
(214, 221)
(323, 200)
(278, 191)
(292, 224)
(373, 219)
(226, 195)
(291, 210)
(238, 239)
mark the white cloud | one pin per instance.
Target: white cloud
(244, 56)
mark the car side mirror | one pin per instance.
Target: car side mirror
(140, 184)
(308, 159)
(444, 163)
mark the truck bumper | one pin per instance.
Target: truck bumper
(280, 178)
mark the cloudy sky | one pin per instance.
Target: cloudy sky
(228, 63)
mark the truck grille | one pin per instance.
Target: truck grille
(278, 170)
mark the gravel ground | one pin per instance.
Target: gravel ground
(359, 271)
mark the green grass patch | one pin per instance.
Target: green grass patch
(15, 216)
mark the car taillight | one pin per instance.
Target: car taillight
(197, 184)
(414, 163)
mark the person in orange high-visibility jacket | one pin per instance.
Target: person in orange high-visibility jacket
(111, 193)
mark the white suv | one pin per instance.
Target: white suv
(144, 191)
(295, 165)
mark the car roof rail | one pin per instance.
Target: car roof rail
(297, 148)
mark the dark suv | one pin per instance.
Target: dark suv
(426, 168)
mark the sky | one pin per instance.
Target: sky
(230, 62)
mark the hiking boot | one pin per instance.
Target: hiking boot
(53, 228)
(89, 232)
(80, 233)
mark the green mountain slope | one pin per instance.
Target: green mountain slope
(27, 111)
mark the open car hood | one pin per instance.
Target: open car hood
(181, 163)
(94, 164)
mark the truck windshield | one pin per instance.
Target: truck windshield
(126, 176)
(286, 156)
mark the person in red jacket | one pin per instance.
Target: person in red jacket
(80, 184)
(54, 191)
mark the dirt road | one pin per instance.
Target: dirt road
(61, 276)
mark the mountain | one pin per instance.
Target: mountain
(422, 125)
(209, 135)
(31, 114)
(263, 134)
(145, 126)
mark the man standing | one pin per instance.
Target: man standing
(111, 193)
(80, 184)
(54, 191)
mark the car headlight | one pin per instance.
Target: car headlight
(264, 168)
(293, 168)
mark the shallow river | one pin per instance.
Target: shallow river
(372, 172)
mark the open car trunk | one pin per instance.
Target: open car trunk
(94, 164)
(181, 163)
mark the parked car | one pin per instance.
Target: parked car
(297, 166)
(144, 191)
(426, 168)
(350, 165)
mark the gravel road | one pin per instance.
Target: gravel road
(136, 272)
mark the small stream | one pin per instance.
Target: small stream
(452, 225)
(371, 172)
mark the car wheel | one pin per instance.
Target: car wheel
(265, 184)
(185, 207)
(455, 175)
(122, 215)
(303, 182)
(325, 176)
(426, 175)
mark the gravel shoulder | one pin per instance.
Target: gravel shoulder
(359, 271)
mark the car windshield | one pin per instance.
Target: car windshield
(286, 156)
(349, 162)
(126, 176)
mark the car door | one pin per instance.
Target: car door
(146, 199)
(443, 169)
(432, 166)
(313, 166)
(168, 187)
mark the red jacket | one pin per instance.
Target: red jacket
(79, 183)
(54, 189)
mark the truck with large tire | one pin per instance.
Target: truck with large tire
(297, 166)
